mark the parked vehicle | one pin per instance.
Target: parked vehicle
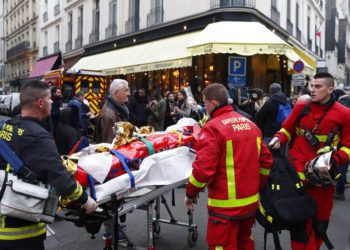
(5, 105)
(8, 103)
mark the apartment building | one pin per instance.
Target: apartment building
(3, 87)
(83, 29)
(20, 39)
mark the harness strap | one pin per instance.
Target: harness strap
(123, 159)
(149, 145)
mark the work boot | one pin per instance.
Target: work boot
(339, 196)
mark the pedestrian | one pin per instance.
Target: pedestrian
(266, 117)
(153, 115)
(34, 145)
(312, 125)
(182, 108)
(161, 107)
(56, 96)
(67, 132)
(170, 116)
(232, 174)
(114, 110)
(138, 108)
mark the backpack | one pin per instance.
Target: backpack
(283, 112)
(284, 201)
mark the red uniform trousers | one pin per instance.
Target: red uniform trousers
(224, 234)
(323, 197)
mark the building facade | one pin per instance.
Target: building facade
(21, 40)
(79, 28)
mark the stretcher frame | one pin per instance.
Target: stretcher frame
(121, 203)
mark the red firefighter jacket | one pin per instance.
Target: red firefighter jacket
(335, 117)
(233, 161)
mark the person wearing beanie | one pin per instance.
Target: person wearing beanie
(265, 118)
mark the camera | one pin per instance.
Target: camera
(311, 138)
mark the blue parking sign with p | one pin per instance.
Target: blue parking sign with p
(237, 66)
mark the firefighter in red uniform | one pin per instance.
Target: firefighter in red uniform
(233, 161)
(313, 125)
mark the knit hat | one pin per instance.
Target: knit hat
(275, 88)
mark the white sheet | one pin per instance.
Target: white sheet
(163, 168)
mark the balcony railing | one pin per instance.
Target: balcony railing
(275, 15)
(289, 26)
(45, 51)
(45, 18)
(232, 3)
(78, 42)
(94, 36)
(155, 16)
(18, 49)
(56, 47)
(132, 24)
(111, 30)
(298, 34)
(69, 45)
(57, 9)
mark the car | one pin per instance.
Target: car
(14, 101)
(5, 105)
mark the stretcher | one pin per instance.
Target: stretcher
(115, 205)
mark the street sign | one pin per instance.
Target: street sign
(237, 66)
(299, 83)
(237, 80)
(298, 66)
(298, 76)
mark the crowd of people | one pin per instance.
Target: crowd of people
(236, 168)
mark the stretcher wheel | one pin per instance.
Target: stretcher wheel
(156, 227)
(192, 237)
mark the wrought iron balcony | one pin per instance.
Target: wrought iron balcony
(275, 15)
(18, 49)
(57, 9)
(232, 3)
(155, 16)
(69, 45)
(56, 47)
(289, 26)
(132, 24)
(79, 42)
(298, 34)
(45, 18)
(111, 30)
(94, 36)
(45, 51)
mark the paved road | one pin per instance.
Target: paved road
(174, 238)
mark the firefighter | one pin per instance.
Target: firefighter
(312, 125)
(34, 145)
(233, 161)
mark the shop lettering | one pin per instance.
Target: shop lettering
(234, 120)
(241, 126)
(208, 48)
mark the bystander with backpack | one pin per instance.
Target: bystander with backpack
(273, 113)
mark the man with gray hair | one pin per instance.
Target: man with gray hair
(114, 110)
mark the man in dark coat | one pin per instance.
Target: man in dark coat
(56, 96)
(138, 108)
(266, 117)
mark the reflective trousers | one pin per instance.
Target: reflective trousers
(224, 234)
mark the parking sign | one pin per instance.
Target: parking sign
(237, 66)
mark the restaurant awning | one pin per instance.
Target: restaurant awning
(161, 54)
(243, 38)
(42, 66)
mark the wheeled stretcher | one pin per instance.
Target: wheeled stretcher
(161, 173)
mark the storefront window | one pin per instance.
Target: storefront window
(175, 80)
